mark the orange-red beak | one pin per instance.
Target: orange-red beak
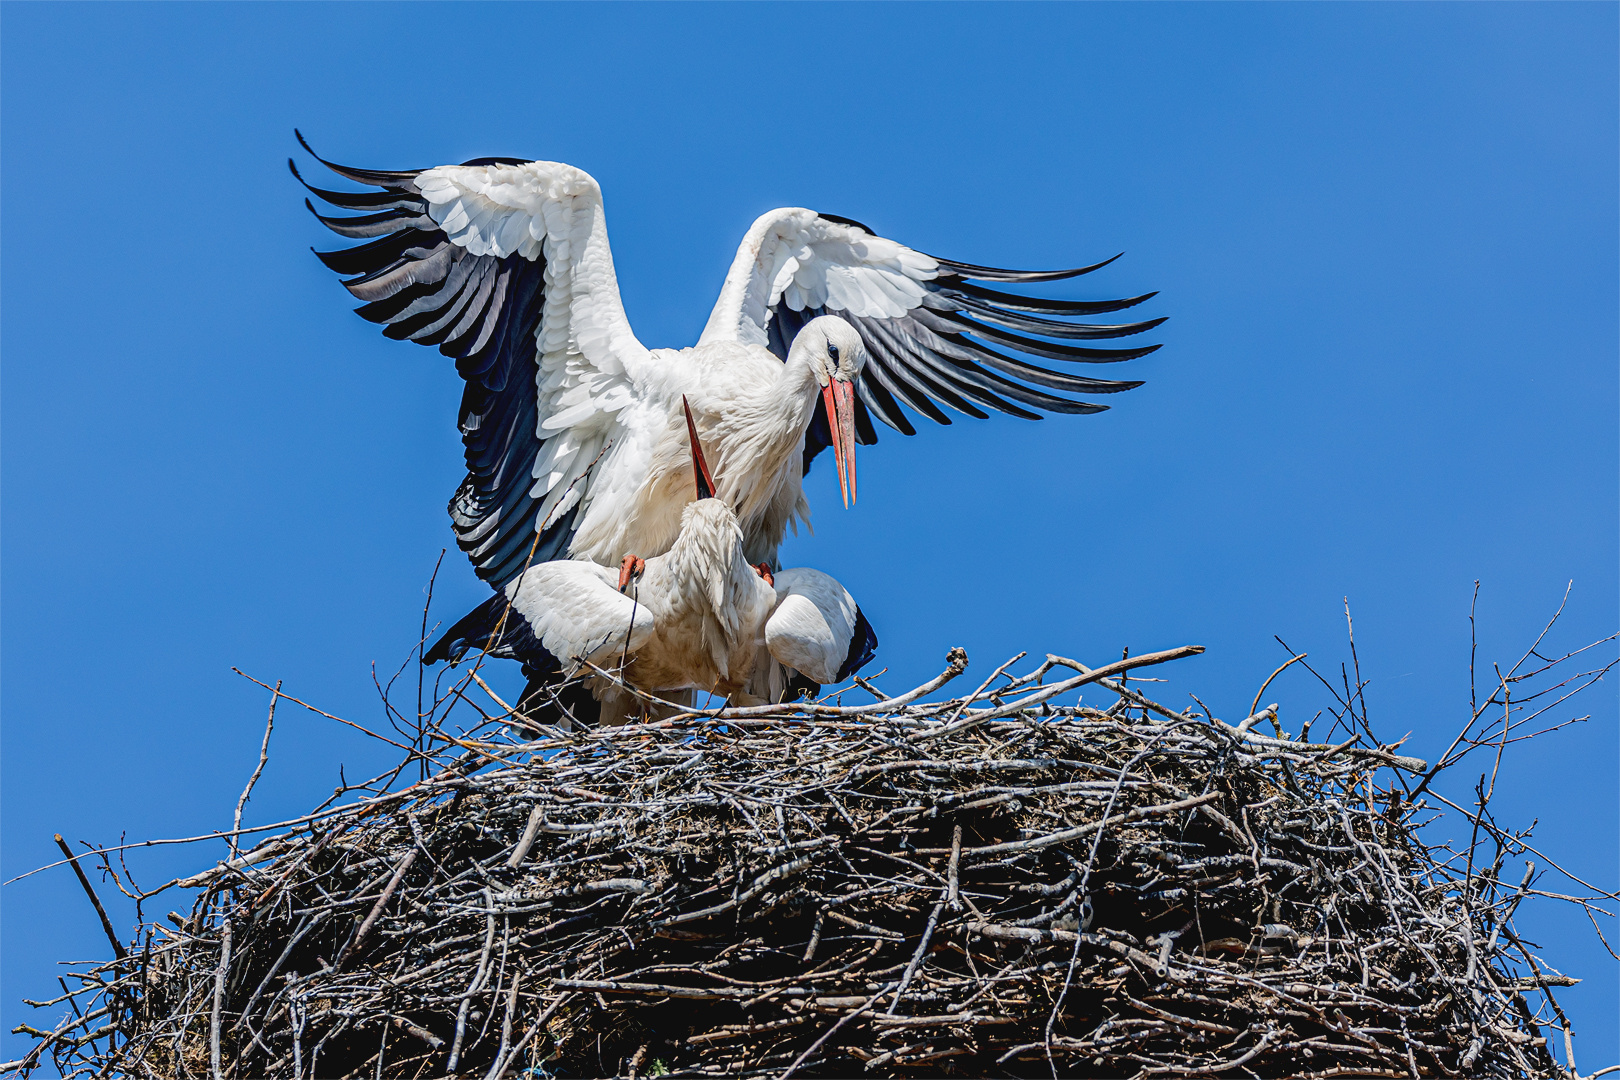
(700, 468)
(839, 396)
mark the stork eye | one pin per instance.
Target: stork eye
(832, 352)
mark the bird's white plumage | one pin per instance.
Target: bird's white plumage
(577, 614)
(594, 373)
(708, 606)
(607, 406)
(812, 624)
(700, 618)
(488, 259)
(794, 256)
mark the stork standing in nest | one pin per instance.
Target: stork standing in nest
(698, 617)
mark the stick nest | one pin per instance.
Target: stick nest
(987, 885)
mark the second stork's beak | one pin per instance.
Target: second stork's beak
(839, 396)
(700, 468)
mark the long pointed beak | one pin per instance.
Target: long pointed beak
(700, 468)
(839, 397)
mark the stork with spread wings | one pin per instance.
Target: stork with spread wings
(575, 442)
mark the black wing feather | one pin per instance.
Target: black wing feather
(987, 313)
(358, 200)
(958, 289)
(896, 384)
(955, 324)
(481, 311)
(497, 626)
(994, 273)
(882, 403)
(917, 376)
(358, 228)
(863, 645)
(363, 176)
(940, 353)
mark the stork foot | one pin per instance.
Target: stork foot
(629, 570)
(764, 570)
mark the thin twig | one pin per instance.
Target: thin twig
(264, 756)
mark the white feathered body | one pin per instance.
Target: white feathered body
(751, 411)
(694, 620)
(700, 618)
(576, 613)
(708, 605)
(809, 630)
(610, 409)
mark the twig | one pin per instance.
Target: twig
(530, 831)
(101, 913)
(1255, 708)
(377, 908)
(219, 998)
(264, 756)
(830, 1032)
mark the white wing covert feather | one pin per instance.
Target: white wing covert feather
(576, 613)
(589, 360)
(796, 257)
(813, 624)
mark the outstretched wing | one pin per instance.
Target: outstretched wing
(933, 331)
(505, 266)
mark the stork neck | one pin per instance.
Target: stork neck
(705, 558)
(709, 534)
(755, 443)
(798, 381)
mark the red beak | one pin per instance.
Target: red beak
(700, 468)
(839, 397)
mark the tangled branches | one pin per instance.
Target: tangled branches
(982, 885)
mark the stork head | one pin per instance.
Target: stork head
(836, 353)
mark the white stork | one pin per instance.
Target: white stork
(698, 617)
(574, 443)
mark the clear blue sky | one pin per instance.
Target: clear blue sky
(1385, 235)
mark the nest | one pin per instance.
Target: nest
(984, 885)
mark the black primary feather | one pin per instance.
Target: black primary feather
(940, 354)
(498, 627)
(547, 698)
(863, 645)
(481, 311)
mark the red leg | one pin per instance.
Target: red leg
(764, 570)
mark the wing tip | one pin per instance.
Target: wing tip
(400, 180)
(997, 273)
(863, 645)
